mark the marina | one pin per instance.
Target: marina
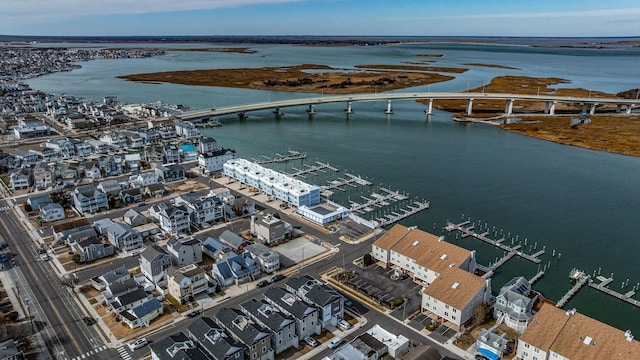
(466, 229)
(581, 280)
(602, 286)
(291, 155)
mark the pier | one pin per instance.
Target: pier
(602, 286)
(415, 208)
(312, 169)
(581, 279)
(278, 158)
(466, 229)
(378, 200)
(536, 277)
(351, 180)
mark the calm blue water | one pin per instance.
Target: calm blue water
(583, 204)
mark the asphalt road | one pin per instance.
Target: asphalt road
(55, 314)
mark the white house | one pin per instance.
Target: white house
(51, 212)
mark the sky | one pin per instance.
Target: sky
(555, 18)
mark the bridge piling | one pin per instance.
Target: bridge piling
(508, 109)
(469, 106)
(311, 110)
(593, 108)
(429, 110)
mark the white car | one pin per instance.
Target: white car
(334, 343)
(44, 257)
(343, 324)
(138, 344)
(310, 341)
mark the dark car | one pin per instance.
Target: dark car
(277, 278)
(262, 283)
(88, 321)
(193, 314)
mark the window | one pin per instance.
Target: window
(526, 345)
(446, 306)
(446, 313)
(536, 350)
(264, 349)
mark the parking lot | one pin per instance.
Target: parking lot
(376, 283)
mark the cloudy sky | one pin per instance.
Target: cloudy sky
(321, 17)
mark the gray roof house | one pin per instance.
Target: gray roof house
(514, 304)
(214, 341)
(172, 219)
(76, 234)
(185, 252)
(305, 315)
(256, 341)
(130, 300)
(316, 293)
(134, 218)
(51, 212)
(91, 249)
(235, 241)
(170, 173)
(88, 199)
(176, 347)
(36, 201)
(154, 263)
(142, 314)
(267, 258)
(215, 249)
(281, 326)
(123, 237)
(235, 269)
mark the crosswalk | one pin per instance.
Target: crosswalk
(123, 353)
(89, 354)
(5, 208)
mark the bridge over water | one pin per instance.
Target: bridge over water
(589, 104)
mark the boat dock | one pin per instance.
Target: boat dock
(312, 169)
(536, 277)
(351, 180)
(626, 297)
(378, 200)
(466, 229)
(414, 208)
(279, 158)
(581, 279)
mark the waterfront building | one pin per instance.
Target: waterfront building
(514, 304)
(213, 161)
(272, 183)
(568, 335)
(323, 213)
(207, 144)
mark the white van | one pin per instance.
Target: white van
(334, 343)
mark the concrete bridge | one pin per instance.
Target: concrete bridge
(589, 104)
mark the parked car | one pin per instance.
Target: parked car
(334, 343)
(262, 283)
(193, 314)
(88, 321)
(138, 344)
(310, 341)
(277, 278)
(344, 324)
(44, 257)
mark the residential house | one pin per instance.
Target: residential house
(186, 282)
(307, 317)
(281, 326)
(185, 252)
(214, 341)
(115, 140)
(235, 269)
(51, 212)
(118, 274)
(170, 173)
(43, 175)
(256, 341)
(142, 314)
(70, 236)
(111, 166)
(132, 162)
(88, 199)
(24, 158)
(171, 218)
(220, 193)
(92, 170)
(130, 300)
(67, 174)
(396, 345)
(186, 130)
(103, 225)
(216, 250)
(203, 210)
(236, 242)
(20, 179)
(329, 302)
(419, 254)
(491, 344)
(154, 190)
(99, 147)
(37, 201)
(154, 263)
(171, 154)
(363, 347)
(268, 228)
(129, 196)
(267, 258)
(110, 187)
(207, 144)
(568, 335)
(213, 161)
(119, 287)
(454, 295)
(123, 237)
(62, 146)
(134, 218)
(83, 148)
(144, 179)
(514, 304)
(188, 152)
(176, 347)
(91, 249)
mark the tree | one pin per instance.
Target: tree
(367, 259)
(481, 314)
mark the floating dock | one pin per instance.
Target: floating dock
(279, 158)
(351, 180)
(581, 279)
(626, 297)
(312, 169)
(466, 230)
(415, 208)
